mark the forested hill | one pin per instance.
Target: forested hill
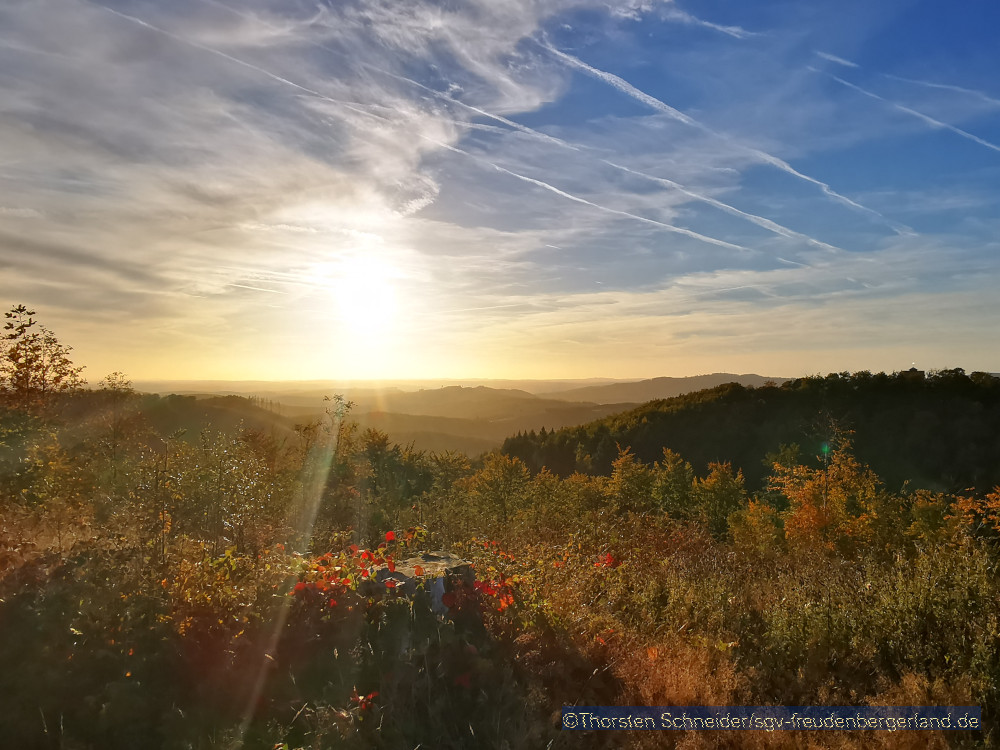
(939, 430)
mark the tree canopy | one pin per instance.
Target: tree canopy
(34, 364)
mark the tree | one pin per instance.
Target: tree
(119, 403)
(674, 478)
(34, 365)
(500, 488)
(719, 494)
(631, 484)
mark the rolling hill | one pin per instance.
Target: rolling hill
(656, 388)
(939, 431)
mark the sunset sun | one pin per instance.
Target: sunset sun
(365, 295)
(466, 373)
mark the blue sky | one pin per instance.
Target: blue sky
(503, 188)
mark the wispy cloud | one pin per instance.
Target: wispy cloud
(606, 209)
(993, 101)
(628, 89)
(835, 59)
(934, 123)
(199, 175)
(760, 221)
(673, 13)
(20, 212)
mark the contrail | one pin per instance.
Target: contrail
(947, 87)
(625, 87)
(929, 84)
(919, 115)
(628, 89)
(752, 218)
(433, 92)
(834, 58)
(220, 53)
(668, 227)
(257, 288)
(313, 92)
(758, 220)
(585, 202)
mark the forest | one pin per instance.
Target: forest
(271, 589)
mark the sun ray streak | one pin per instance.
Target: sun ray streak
(319, 464)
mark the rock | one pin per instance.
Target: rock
(440, 572)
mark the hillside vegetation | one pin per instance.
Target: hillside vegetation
(657, 388)
(938, 431)
(218, 593)
(471, 420)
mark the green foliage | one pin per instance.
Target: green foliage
(672, 488)
(241, 587)
(34, 365)
(718, 495)
(934, 431)
(630, 489)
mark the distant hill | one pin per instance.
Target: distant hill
(173, 413)
(318, 388)
(470, 420)
(939, 431)
(551, 415)
(655, 388)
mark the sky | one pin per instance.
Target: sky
(293, 189)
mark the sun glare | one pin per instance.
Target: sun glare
(365, 295)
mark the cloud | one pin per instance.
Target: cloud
(992, 101)
(835, 59)
(629, 90)
(934, 123)
(190, 176)
(20, 212)
(673, 13)
(760, 221)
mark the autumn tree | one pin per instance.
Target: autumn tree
(630, 488)
(718, 495)
(835, 506)
(34, 365)
(120, 411)
(500, 487)
(672, 488)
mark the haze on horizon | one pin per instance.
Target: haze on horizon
(549, 189)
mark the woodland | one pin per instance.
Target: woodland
(828, 541)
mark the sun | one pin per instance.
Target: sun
(365, 295)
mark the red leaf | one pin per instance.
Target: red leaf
(390, 584)
(333, 602)
(392, 566)
(606, 561)
(417, 570)
(464, 679)
(390, 536)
